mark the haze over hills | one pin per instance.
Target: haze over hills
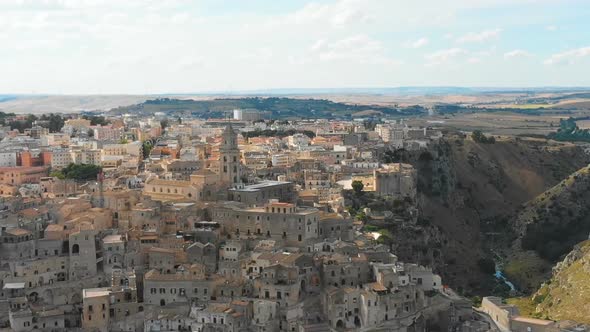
(19, 103)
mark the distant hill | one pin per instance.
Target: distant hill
(277, 107)
(4, 98)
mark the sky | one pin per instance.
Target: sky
(189, 46)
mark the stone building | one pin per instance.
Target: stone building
(278, 221)
(397, 180)
(83, 252)
(114, 308)
(230, 172)
(19, 175)
(260, 193)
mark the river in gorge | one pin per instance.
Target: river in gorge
(500, 276)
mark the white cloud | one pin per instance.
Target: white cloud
(443, 56)
(357, 48)
(551, 28)
(568, 57)
(479, 37)
(338, 14)
(318, 45)
(517, 54)
(263, 54)
(417, 43)
(78, 46)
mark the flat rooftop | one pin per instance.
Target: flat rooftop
(261, 185)
(95, 292)
(535, 321)
(115, 238)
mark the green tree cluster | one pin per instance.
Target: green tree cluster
(569, 131)
(357, 187)
(55, 122)
(96, 120)
(80, 172)
(479, 137)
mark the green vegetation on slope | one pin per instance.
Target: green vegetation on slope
(479, 137)
(558, 218)
(567, 294)
(276, 107)
(549, 226)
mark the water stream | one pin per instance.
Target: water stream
(500, 276)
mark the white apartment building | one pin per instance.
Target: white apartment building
(7, 159)
(60, 158)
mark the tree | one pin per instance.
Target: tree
(56, 122)
(90, 133)
(57, 174)
(78, 172)
(164, 124)
(362, 216)
(479, 137)
(357, 186)
(147, 148)
(96, 120)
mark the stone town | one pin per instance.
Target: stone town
(202, 226)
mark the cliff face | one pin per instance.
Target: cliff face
(469, 193)
(548, 227)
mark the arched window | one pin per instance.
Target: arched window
(75, 249)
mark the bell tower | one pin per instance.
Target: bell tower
(229, 158)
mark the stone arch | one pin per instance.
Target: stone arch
(340, 324)
(33, 296)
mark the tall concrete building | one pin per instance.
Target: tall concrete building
(229, 158)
